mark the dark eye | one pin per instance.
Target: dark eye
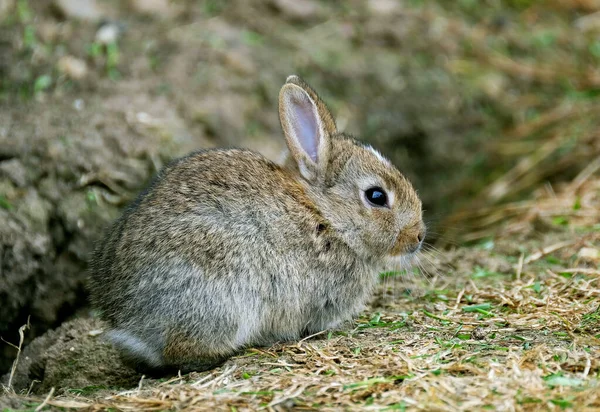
(376, 196)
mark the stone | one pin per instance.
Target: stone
(73, 67)
(15, 171)
(383, 7)
(297, 9)
(108, 33)
(155, 8)
(589, 254)
(79, 9)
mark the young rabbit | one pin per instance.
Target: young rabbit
(227, 249)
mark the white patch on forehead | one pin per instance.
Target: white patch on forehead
(379, 155)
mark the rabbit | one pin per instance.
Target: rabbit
(226, 249)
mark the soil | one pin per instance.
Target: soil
(71, 356)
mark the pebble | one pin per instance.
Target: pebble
(108, 33)
(589, 254)
(493, 84)
(440, 306)
(73, 67)
(589, 22)
(297, 9)
(78, 104)
(79, 9)
(48, 31)
(15, 171)
(479, 333)
(383, 7)
(155, 8)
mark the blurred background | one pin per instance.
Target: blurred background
(490, 107)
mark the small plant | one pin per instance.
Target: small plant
(108, 54)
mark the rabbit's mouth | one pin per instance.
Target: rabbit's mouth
(404, 247)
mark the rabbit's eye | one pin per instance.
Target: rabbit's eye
(376, 196)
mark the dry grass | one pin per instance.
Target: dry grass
(543, 73)
(493, 332)
(576, 203)
(18, 347)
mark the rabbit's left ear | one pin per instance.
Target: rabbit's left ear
(307, 125)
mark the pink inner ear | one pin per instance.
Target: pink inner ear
(305, 125)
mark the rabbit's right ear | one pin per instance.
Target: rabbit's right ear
(307, 125)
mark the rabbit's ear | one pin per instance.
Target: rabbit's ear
(307, 125)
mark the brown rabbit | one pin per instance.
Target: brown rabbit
(227, 249)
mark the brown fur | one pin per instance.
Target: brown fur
(227, 249)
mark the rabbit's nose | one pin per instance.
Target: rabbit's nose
(416, 238)
(410, 240)
(417, 242)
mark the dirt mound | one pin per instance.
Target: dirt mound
(64, 175)
(74, 356)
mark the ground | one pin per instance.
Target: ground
(498, 326)
(490, 111)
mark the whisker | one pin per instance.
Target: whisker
(425, 274)
(433, 271)
(432, 247)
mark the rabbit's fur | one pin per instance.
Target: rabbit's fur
(227, 249)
